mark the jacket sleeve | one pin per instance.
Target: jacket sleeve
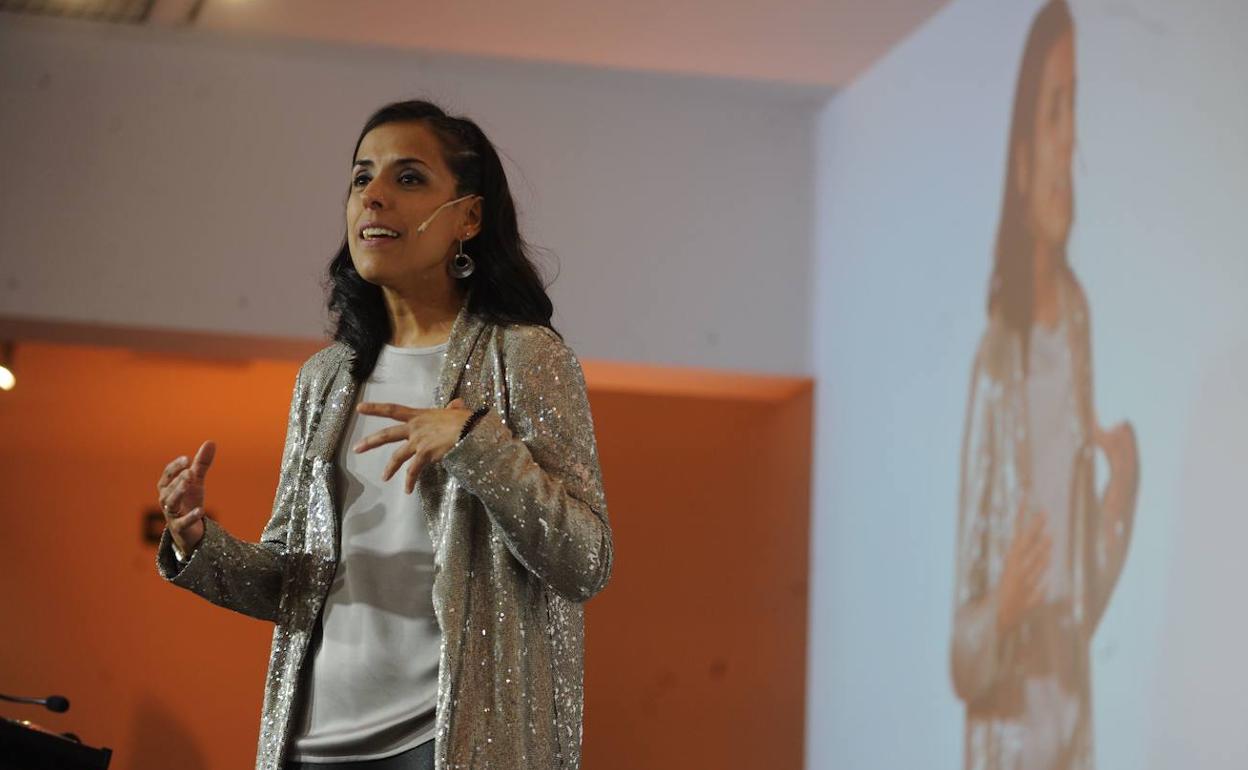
(975, 649)
(239, 575)
(535, 468)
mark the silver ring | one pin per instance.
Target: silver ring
(168, 511)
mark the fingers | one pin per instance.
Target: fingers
(1130, 444)
(201, 463)
(170, 472)
(180, 525)
(457, 404)
(190, 517)
(203, 460)
(396, 460)
(180, 476)
(183, 475)
(1031, 553)
(409, 420)
(414, 468)
(1119, 430)
(1035, 557)
(1036, 593)
(384, 436)
(1033, 534)
(1028, 531)
(393, 411)
(1036, 562)
(419, 459)
(172, 496)
(1036, 542)
(400, 456)
(1115, 439)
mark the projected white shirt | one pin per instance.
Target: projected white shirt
(1050, 710)
(1051, 412)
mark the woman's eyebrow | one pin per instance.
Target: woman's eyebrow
(366, 163)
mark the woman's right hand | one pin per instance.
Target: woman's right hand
(181, 494)
(1022, 585)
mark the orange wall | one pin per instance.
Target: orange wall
(696, 651)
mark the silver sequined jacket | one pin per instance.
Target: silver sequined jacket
(519, 524)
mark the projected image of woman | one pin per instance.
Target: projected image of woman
(1039, 547)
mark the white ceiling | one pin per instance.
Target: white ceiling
(809, 42)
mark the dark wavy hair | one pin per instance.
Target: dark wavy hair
(1011, 290)
(505, 287)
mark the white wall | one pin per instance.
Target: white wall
(182, 180)
(910, 168)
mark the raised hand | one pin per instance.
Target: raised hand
(180, 491)
(1123, 454)
(426, 435)
(1023, 583)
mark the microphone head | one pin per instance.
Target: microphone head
(57, 703)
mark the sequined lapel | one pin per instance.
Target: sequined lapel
(337, 401)
(465, 332)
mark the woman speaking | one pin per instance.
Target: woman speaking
(439, 516)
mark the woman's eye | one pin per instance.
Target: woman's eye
(410, 179)
(359, 180)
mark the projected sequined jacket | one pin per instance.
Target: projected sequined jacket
(519, 524)
(989, 670)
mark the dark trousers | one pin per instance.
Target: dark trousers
(419, 758)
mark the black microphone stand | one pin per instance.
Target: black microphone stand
(57, 703)
(27, 746)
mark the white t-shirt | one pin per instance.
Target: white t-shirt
(371, 683)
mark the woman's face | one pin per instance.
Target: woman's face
(1048, 190)
(398, 180)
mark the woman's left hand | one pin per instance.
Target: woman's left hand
(426, 435)
(1122, 451)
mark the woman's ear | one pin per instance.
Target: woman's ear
(472, 217)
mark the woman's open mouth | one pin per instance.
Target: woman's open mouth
(375, 235)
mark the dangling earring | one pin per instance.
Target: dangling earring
(461, 264)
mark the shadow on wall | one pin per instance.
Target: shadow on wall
(159, 738)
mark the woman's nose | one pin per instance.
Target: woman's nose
(373, 196)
